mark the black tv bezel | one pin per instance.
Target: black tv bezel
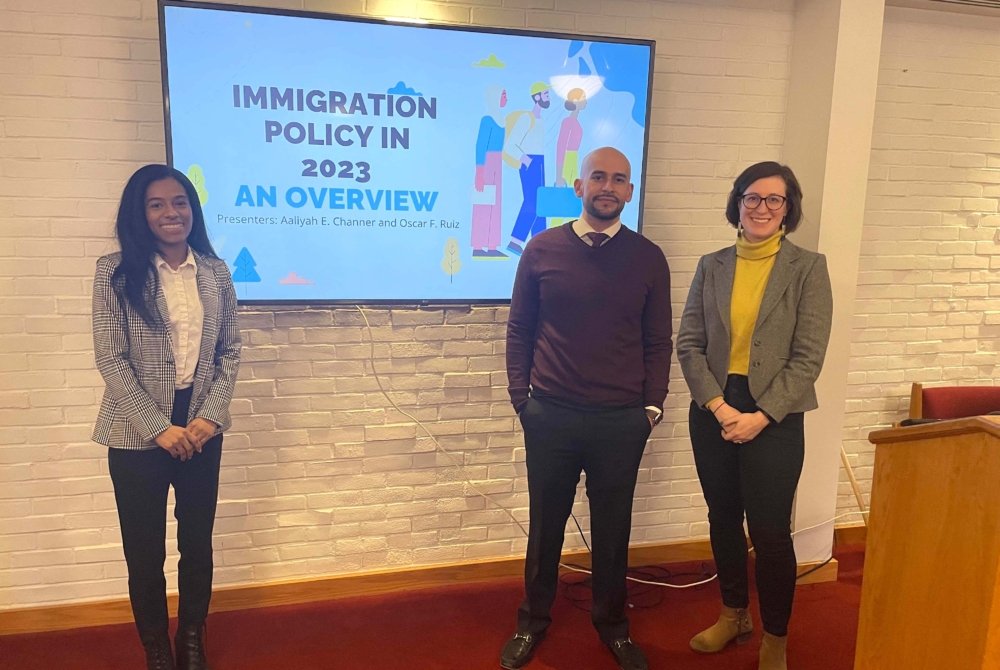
(427, 25)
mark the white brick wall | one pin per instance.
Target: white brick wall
(318, 476)
(928, 307)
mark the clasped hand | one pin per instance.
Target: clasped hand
(183, 442)
(740, 427)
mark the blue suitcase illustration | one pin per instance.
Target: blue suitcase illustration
(561, 202)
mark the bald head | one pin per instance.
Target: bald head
(604, 186)
(607, 159)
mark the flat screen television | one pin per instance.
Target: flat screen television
(350, 160)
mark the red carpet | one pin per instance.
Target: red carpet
(463, 628)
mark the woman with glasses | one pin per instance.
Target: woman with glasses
(167, 343)
(751, 345)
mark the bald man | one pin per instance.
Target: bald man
(588, 361)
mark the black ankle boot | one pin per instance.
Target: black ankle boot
(157, 646)
(190, 648)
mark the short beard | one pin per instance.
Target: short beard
(602, 216)
(544, 104)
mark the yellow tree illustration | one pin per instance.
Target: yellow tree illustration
(197, 178)
(451, 264)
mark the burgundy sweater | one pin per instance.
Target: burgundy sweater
(590, 326)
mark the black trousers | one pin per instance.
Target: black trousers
(559, 443)
(142, 480)
(758, 478)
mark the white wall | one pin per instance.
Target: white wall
(928, 307)
(318, 477)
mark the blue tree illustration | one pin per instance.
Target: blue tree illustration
(244, 268)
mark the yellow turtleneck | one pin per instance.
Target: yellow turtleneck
(754, 261)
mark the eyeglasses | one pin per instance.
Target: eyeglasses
(752, 201)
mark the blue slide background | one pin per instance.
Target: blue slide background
(208, 51)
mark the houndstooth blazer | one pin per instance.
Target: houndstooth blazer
(137, 361)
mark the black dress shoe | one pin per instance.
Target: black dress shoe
(190, 648)
(628, 655)
(519, 650)
(157, 646)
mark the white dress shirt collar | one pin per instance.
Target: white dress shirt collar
(581, 228)
(161, 263)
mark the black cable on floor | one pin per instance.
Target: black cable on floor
(578, 587)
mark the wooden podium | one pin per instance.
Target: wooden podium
(931, 593)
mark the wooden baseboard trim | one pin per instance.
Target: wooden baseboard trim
(229, 598)
(818, 572)
(855, 533)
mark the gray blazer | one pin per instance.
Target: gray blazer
(137, 361)
(789, 339)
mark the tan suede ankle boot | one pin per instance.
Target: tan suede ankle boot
(733, 624)
(772, 652)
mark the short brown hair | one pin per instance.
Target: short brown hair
(793, 192)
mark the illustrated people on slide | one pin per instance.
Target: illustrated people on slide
(489, 172)
(568, 144)
(523, 150)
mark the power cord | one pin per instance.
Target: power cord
(705, 576)
(641, 591)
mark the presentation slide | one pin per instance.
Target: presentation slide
(341, 160)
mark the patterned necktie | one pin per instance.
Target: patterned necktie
(597, 239)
